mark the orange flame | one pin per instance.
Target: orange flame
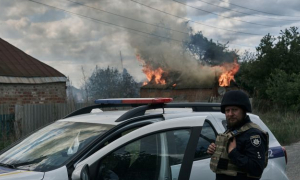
(153, 75)
(229, 70)
(158, 75)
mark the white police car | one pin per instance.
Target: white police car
(155, 140)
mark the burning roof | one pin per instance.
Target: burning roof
(168, 78)
(228, 72)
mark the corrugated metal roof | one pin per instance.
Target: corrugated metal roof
(16, 63)
(31, 80)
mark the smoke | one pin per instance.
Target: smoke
(85, 36)
(169, 53)
(158, 39)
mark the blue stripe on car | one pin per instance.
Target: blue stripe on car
(276, 152)
(6, 170)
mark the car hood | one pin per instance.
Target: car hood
(14, 174)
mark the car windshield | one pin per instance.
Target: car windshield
(50, 147)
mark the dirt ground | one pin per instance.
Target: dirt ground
(293, 166)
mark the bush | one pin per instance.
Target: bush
(284, 89)
(284, 125)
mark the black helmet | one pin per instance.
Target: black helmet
(236, 98)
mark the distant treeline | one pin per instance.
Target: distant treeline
(271, 75)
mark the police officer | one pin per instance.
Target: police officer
(241, 152)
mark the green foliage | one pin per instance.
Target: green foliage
(284, 89)
(242, 77)
(208, 51)
(274, 72)
(110, 83)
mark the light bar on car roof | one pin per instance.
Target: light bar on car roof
(134, 101)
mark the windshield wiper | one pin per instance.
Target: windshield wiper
(29, 162)
(8, 165)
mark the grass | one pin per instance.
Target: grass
(284, 125)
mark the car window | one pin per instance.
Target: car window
(224, 123)
(207, 136)
(156, 156)
(50, 147)
(117, 136)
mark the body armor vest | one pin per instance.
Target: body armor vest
(220, 163)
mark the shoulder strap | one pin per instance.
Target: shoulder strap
(246, 127)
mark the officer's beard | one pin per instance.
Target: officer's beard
(233, 123)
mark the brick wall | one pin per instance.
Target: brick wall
(183, 95)
(32, 93)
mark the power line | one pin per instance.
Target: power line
(221, 15)
(255, 9)
(245, 13)
(97, 20)
(127, 17)
(242, 45)
(100, 21)
(197, 21)
(140, 21)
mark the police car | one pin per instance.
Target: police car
(154, 140)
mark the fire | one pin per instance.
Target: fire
(153, 75)
(228, 72)
(160, 76)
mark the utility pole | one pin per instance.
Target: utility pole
(121, 61)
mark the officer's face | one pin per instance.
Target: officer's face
(234, 115)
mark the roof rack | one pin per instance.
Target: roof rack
(140, 109)
(89, 109)
(197, 107)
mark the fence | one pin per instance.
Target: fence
(31, 117)
(6, 125)
(19, 120)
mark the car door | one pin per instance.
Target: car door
(201, 161)
(163, 150)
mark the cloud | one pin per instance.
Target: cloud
(93, 37)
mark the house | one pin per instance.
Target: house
(26, 80)
(197, 92)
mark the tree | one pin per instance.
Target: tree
(271, 73)
(129, 86)
(208, 51)
(284, 89)
(110, 83)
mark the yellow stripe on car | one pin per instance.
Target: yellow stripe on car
(11, 173)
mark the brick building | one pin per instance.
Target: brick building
(195, 93)
(26, 80)
(179, 94)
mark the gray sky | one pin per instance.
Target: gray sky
(84, 33)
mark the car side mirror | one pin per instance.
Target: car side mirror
(81, 173)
